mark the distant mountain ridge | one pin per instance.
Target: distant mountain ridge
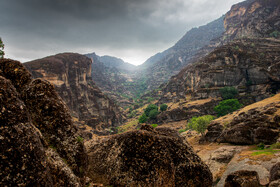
(113, 62)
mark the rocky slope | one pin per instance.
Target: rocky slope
(250, 65)
(38, 141)
(146, 157)
(71, 75)
(159, 68)
(248, 57)
(114, 79)
(256, 123)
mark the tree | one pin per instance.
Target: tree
(143, 118)
(228, 92)
(1, 49)
(163, 107)
(150, 108)
(200, 124)
(227, 106)
(153, 114)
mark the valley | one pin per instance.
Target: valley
(205, 112)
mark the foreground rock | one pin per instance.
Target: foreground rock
(39, 145)
(242, 178)
(256, 123)
(146, 158)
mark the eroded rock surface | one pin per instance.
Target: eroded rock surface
(39, 143)
(71, 75)
(256, 123)
(242, 178)
(146, 158)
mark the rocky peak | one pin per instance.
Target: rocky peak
(71, 75)
(253, 18)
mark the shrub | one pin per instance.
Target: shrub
(227, 106)
(200, 124)
(143, 118)
(80, 139)
(228, 92)
(150, 108)
(1, 49)
(260, 146)
(154, 125)
(153, 114)
(163, 107)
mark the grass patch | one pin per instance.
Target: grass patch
(154, 125)
(129, 125)
(182, 130)
(265, 152)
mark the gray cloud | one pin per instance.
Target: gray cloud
(129, 29)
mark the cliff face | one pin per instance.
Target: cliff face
(247, 57)
(159, 68)
(258, 18)
(71, 75)
(250, 65)
(39, 144)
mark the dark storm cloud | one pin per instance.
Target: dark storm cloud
(124, 28)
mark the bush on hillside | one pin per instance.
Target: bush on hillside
(227, 106)
(163, 107)
(228, 92)
(153, 114)
(150, 108)
(143, 118)
(200, 124)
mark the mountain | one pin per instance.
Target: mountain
(71, 74)
(116, 62)
(159, 68)
(247, 58)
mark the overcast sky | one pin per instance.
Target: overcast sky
(132, 30)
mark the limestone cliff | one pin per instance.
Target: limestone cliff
(247, 57)
(71, 75)
(250, 65)
(253, 18)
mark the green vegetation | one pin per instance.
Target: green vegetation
(260, 146)
(227, 106)
(200, 124)
(153, 114)
(150, 108)
(80, 139)
(261, 150)
(154, 125)
(1, 49)
(228, 92)
(163, 107)
(143, 118)
(182, 130)
(274, 34)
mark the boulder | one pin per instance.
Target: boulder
(242, 178)
(146, 157)
(275, 172)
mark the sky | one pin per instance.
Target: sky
(132, 30)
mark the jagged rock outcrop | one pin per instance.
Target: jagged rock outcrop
(256, 123)
(250, 65)
(242, 178)
(146, 157)
(160, 67)
(187, 110)
(71, 75)
(238, 61)
(253, 18)
(39, 143)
